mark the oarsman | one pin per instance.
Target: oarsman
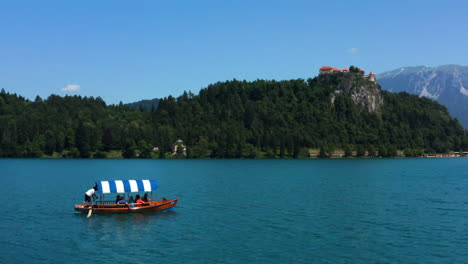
(90, 193)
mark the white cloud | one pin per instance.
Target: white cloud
(353, 50)
(71, 88)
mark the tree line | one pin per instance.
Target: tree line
(232, 119)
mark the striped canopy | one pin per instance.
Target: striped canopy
(126, 186)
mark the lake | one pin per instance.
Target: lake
(241, 211)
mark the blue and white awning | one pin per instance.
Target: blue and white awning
(126, 186)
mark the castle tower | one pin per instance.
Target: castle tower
(372, 77)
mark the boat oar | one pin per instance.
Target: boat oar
(90, 212)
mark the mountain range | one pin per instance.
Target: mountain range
(447, 84)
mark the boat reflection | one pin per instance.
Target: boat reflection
(133, 222)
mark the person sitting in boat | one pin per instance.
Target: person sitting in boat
(90, 193)
(117, 199)
(139, 201)
(123, 201)
(145, 198)
(131, 201)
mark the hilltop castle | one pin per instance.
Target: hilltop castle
(328, 69)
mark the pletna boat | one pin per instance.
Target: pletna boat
(126, 187)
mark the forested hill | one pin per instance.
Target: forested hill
(150, 105)
(233, 119)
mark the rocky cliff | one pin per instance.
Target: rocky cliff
(361, 90)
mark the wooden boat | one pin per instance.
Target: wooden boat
(109, 207)
(126, 187)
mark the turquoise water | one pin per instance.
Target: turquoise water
(241, 211)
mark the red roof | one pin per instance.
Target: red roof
(361, 70)
(326, 68)
(345, 69)
(335, 69)
(371, 73)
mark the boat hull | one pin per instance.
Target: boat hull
(155, 206)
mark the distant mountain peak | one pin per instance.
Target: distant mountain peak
(447, 84)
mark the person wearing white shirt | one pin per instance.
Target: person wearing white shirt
(90, 193)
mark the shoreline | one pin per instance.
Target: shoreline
(263, 158)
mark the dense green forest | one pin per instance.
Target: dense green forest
(232, 119)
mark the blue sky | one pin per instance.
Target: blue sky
(133, 50)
